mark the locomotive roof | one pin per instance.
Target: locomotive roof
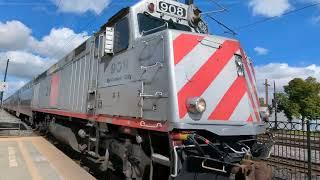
(115, 18)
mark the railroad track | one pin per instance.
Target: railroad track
(293, 164)
(297, 143)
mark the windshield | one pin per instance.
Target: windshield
(149, 24)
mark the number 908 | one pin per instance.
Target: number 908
(172, 9)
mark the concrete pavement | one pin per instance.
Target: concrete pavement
(33, 158)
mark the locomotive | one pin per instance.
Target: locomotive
(151, 95)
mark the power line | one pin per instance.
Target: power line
(276, 17)
(229, 30)
(59, 4)
(219, 5)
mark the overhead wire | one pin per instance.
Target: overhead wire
(239, 28)
(59, 4)
(276, 17)
(222, 9)
(219, 5)
(223, 25)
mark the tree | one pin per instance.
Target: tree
(301, 99)
(261, 101)
(289, 108)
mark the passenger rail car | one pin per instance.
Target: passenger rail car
(151, 95)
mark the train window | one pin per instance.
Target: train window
(80, 49)
(149, 24)
(121, 35)
(101, 46)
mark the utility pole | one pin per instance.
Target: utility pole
(275, 103)
(4, 80)
(266, 85)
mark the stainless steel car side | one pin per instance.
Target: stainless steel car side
(151, 85)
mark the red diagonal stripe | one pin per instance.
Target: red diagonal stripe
(250, 119)
(230, 100)
(206, 74)
(249, 74)
(245, 62)
(54, 93)
(183, 44)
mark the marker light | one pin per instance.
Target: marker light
(196, 105)
(239, 65)
(151, 7)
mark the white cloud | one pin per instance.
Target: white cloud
(14, 35)
(269, 8)
(30, 56)
(58, 43)
(24, 65)
(261, 50)
(282, 73)
(81, 6)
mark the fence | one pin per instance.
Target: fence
(296, 153)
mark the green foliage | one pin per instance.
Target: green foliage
(289, 108)
(301, 99)
(261, 102)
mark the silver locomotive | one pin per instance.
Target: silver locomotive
(151, 95)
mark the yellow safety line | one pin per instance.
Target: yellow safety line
(29, 162)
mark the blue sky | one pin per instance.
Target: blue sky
(283, 48)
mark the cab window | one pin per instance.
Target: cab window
(149, 24)
(121, 35)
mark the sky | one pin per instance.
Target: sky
(36, 33)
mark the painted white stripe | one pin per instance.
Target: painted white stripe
(217, 89)
(251, 72)
(256, 99)
(12, 157)
(253, 96)
(191, 64)
(253, 79)
(251, 65)
(249, 88)
(242, 111)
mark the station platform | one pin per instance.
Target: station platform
(13, 126)
(34, 158)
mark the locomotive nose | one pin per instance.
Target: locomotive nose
(217, 70)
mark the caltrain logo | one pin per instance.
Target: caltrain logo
(209, 70)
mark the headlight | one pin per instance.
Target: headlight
(196, 105)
